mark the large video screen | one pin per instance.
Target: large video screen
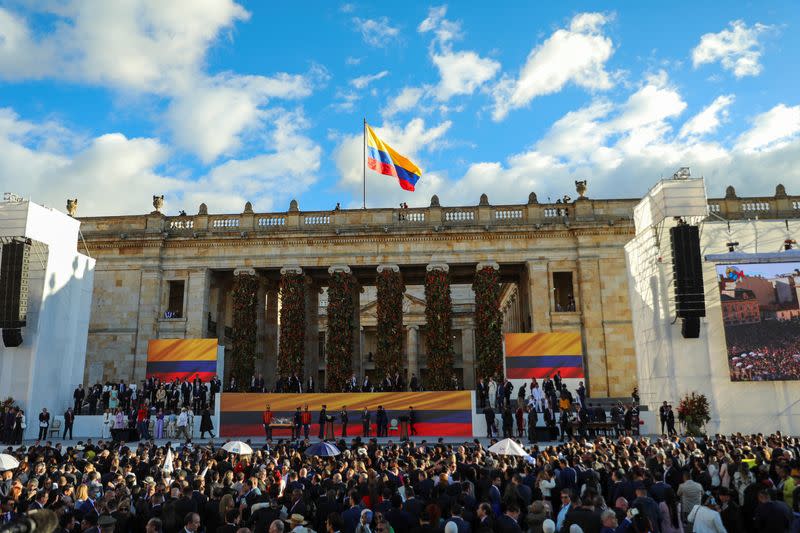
(761, 314)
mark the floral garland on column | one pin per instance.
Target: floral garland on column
(243, 341)
(438, 330)
(488, 323)
(291, 349)
(339, 338)
(390, 289)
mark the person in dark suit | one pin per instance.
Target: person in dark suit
(533, 419)
(323, 417)
(352, 515)
(297, 423)
(231, 525)
(455, 516)
(382, 422)
(400, 520)
(507, 523)
(365, 422)
(730, 514)
(484, 515)
(412, 419)
(343, 416)
(489, 414)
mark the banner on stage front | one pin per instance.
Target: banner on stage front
(541, 355)
(170, 359)
(437, 414)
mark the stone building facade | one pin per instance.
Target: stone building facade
(562, 266)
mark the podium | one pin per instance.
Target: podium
(403, 428)
(329, 429)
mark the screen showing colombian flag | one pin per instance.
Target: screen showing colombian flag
(383, 159)
(540, 355)
(170, 359)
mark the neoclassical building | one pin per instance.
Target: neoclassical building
(562, 267)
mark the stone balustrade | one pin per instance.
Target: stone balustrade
(584, 210)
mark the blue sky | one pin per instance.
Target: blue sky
(223, 102)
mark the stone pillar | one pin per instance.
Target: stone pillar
(146, 326)
(271, 335)
(311, 362)
(539, 297)
(261, 328)
(468, 353)
(412, 345)
(591, 301)
(358, 363)
(198, 290)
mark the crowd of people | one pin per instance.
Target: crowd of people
(297, 384)
(767, 351)
(561, 411)
(737, 483)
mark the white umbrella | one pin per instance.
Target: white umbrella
(238, 447)
(7, 462)
(508, 447)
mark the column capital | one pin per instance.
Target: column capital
(339, 268)
(388, 266)
(291, 269)
(244, 270)
(412, 327)
(488, 264)
(437, 266)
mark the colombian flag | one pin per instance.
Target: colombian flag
(383, 159)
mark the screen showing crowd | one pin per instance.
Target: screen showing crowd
(761, 314)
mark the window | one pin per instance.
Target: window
(321, 347)
(175, 299)
(563, 297)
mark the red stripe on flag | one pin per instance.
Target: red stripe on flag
(384, 168)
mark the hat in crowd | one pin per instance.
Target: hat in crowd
(548, 526)
(149, 480)
(297, 520)
(106, 521)
(367, 515)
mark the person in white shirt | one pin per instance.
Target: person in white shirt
(705, 518)
(183, 425)
(105, 430)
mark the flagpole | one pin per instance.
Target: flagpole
(364, 163)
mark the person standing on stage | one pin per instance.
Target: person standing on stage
(365, 422)
(323, 417)
(306, 419)
(382, 422)
(297, 424)
(343, 415)
(266, 418)
(412, 419)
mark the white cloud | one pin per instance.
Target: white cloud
(411, 140)
(708, 120)
(773, 129)
(445, 30)
(346, 101)
(362, 82)
(576, 55)
(96, 170)
(376, 32)
(352, 61)
(407, 99)
(737, 48)
(460, 72)
(138, 45)
(210, 119)
(347, 8)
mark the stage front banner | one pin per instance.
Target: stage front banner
(438, 414)
(540, 355)
(169, 359)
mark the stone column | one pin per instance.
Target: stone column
(591, 301)
(261, 328)
(146, 326)
(539, 297)
(311, 362)
(271, 334)
(197, 293)
(468, 353)
(412, 345)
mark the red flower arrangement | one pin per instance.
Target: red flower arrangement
(438, 330)
(694, 411)
(339, 337)
(291, 349)
(243, 341)
(390, 289)
(488, 323)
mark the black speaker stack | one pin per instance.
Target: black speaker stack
(690, 302)
(14, 264)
